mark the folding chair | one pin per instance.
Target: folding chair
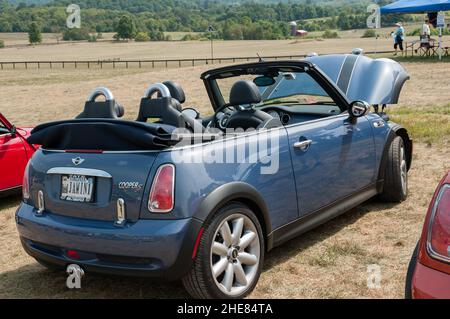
(425, 46)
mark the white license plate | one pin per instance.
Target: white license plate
(77, 188)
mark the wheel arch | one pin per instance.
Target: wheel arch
(403, 133)
(237, 192)
(396, 130)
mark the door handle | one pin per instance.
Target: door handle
(303, 145)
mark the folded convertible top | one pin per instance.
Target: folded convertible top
(102, 134)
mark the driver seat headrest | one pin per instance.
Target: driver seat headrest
(164, 109)
(176, 91)
(244, 92)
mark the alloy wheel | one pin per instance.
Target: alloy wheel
(235, 254)
(403, 170)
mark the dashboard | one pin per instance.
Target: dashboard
(284, 118)
(301, 113)
(287, 115)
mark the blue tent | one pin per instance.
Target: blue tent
(416, 6)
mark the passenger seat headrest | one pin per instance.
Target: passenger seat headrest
(102, 109)
(176, 91)
(244, 92)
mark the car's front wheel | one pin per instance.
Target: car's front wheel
(396, 174)
(229, 257)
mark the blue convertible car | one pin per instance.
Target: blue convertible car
(176, 195)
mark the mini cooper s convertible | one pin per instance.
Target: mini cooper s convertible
(15, 152)
(177, 195)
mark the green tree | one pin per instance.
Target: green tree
(369, 33)
(2, 44)
(142, 37)
(126, 28)
(34, 33)
(330, 34)
(157, 35)
(76, 34)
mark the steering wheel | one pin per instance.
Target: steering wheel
(221, 116)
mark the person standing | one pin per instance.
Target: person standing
(426, 31)
(399, 37)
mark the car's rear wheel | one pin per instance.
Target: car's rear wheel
(229, 257)
(396, 174)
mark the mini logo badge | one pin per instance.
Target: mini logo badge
(77, 161)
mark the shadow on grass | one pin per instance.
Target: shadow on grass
(35, 281)
(295, 246)
(8, 202)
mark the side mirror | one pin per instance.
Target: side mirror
(191, 113)
(359, 109)
(13, 131)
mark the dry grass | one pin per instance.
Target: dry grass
(329, 262)
(191, 49)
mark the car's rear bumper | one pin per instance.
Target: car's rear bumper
(150, 248)
(428, 283)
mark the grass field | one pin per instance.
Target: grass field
(191, 49)
(329, 262)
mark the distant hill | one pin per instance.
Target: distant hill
(230, 2)
(231, 19)
(28, 2)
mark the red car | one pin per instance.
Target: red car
(429, 270)
(15, 152)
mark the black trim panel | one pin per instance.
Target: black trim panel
(397, 130)
(234, 191)
(322, 215)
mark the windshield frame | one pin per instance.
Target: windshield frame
(218, 101)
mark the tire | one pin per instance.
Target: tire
(410, 273)
(228, 256)
(395, 188)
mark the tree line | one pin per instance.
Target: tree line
(151, 18)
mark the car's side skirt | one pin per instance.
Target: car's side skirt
(321, 216)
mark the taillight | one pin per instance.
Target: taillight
(161, 197)
(438, 239)
(26, 183)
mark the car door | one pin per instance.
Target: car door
(332, 159)
(13, 159)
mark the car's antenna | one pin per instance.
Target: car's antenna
(260, 59)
